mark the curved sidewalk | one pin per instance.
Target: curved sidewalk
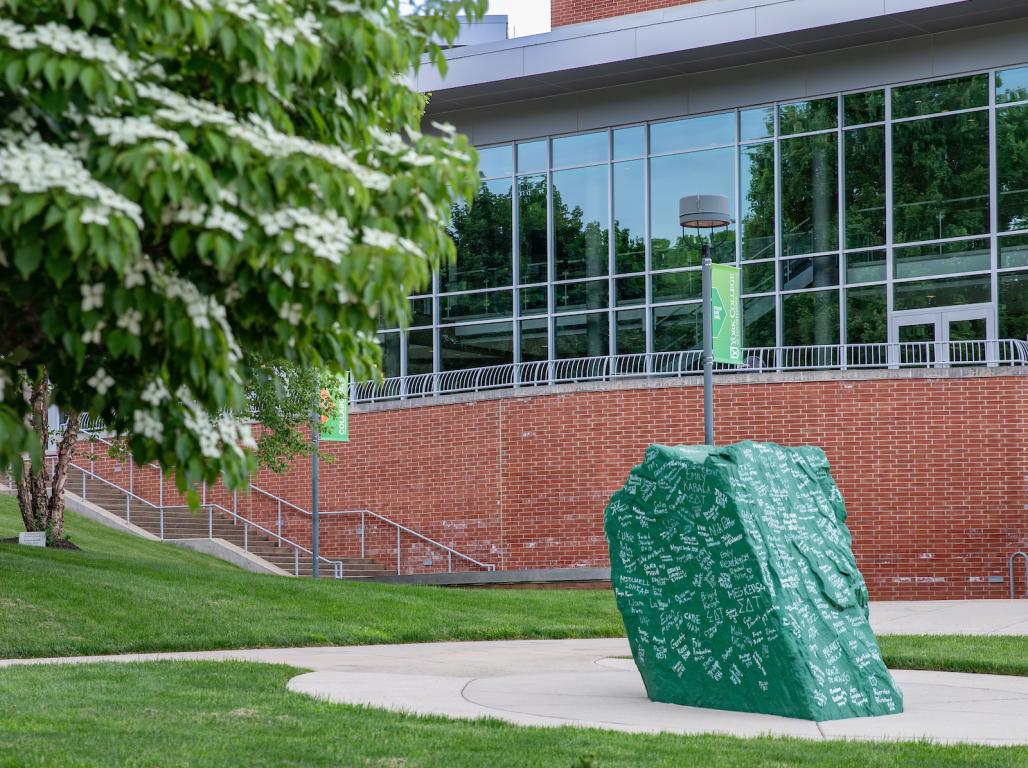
(585, 683)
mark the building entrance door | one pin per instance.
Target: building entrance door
(943, 337)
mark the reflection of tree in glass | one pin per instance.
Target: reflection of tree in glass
(481, 231)
(866, 321)
(532, 228)
(941, 177)
(758, 210)
(580, 246)
(1012, 159)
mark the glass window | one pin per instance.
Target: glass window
(940, 96)
(677, 328)
(815, 272)
(582, 335)
(390, 344)
(758, 277)
(572, 297)
(941, 177)
(810, 318)
(475, 306)
(630, 216)
(532, 228)
(419, 352)
(1013, 251)
(534, 340)
(1013, 305)
(865, 187)
(421, 311)
(757, 170)
(865, 267)
(804, 116)
(810, 195)
(482, 234)
(495, 161)
(861, 108)
(631, 332)
(925, 294)
(629, 142)
(532, 156)
(692, 133)
(866, 315)
(942, 259)
(1012, 85)
(677, 286)
(756, 123)
(580, 218)
(583, 149)
(1012, 167)
(475, 346)
(630, 290)
(758, 321)
(533, 300)
(672, 178)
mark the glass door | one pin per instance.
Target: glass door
(943, 337)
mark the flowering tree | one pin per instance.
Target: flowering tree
(186, 181)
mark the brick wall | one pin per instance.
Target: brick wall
(933, 470)
(576, 11)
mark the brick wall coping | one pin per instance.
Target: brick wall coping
(525, 576)
(662, 382)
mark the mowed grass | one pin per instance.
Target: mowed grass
(235, 714)
(122, 594)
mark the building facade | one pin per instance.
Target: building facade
(876, 158)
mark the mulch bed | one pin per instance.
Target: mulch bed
(62, 544)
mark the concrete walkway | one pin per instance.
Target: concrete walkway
(585, 683)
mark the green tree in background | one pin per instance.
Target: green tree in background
(183, 184)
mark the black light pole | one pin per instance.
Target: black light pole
(706, 212)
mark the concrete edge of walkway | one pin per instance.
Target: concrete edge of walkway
(231, 553)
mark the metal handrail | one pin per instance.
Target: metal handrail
(400, 527)
(337, 565)
(902, 355)
(1013, 559)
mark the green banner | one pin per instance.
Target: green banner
(335, 411)
(726, 317)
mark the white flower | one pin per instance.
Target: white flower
(61, 39)
(291, 313)
(94, 335)
(92, 296)
(94, 214)
(131, 130)
(145, 423)
(327, 235)
(136, 273)
(155, 393)
(131, 321)
(101, 381)
(34, 166)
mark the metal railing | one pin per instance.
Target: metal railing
(920, 354)
(281, 505)
(299, 551)
(1013, 559)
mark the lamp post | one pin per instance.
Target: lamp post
(706, 212)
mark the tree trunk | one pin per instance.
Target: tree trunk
(41, 494)
(32, 491)
(65, 450)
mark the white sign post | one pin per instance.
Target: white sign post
(33, 539)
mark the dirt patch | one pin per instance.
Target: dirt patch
(60, 544)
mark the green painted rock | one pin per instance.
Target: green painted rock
(733, 571)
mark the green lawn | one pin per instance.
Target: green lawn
(125, 594)
(235, 714)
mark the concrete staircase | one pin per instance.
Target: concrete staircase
(178, 523)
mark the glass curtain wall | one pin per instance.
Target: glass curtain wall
(847, 208)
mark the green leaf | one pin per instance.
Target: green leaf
(58, 268)
(86, 12)
(227, 38)
(90, 80)
(52, 71)
(35, 62)
(27, 257)
(74, 231)
(14, 73)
